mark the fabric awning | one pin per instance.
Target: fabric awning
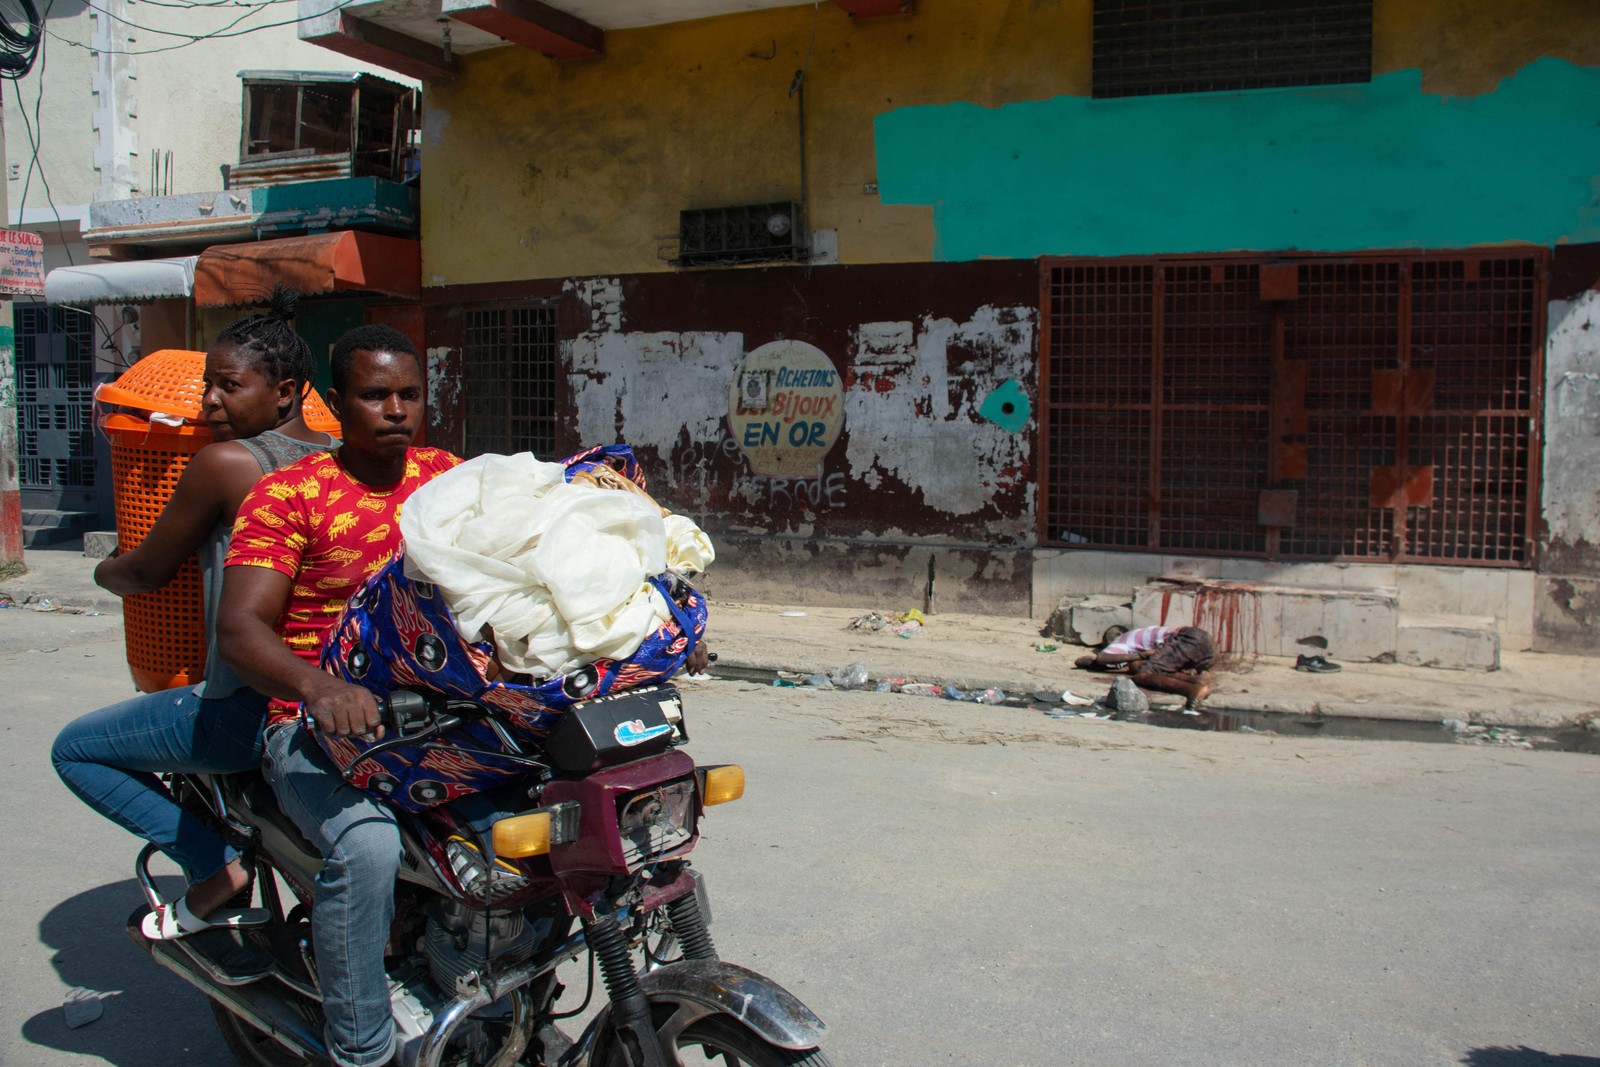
(243, 274)
(134, 282)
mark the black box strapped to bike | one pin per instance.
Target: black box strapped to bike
(615, 729)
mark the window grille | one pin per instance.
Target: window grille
(509, 358)
(1361, 408)
(1144, 47)
(55, 398)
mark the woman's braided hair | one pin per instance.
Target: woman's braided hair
(280, 351)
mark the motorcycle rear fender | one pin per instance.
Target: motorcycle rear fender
(718, 988)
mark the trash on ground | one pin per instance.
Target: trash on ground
(911, 616)
(852, 677)
(782, 683)
(43, 603)
(922, 689)
(872, 622)
(82, 1007)
(1479, 734)
(818, 681)
(907, 629)
(1069, 697)
(1044, 646)
(791, 614)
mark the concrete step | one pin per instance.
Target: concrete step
(39, 536)
(1258, 619)
(1451, 642)
(1091, 617)
(45, 517)
(46, 526)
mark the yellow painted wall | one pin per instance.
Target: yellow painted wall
(1466, 46)
(537, 169)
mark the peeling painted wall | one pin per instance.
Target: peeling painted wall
(911, 410)
(919, 470)
(1567, 594)
(911, 402)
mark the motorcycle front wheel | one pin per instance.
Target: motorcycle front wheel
(721, 1041)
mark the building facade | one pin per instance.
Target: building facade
(988, 303)
(121, 135)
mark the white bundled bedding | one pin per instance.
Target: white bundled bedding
(558, 573)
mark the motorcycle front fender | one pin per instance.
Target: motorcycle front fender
(700, 988)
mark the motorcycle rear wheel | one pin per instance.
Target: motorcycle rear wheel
(251, 1047)
(721, 1041)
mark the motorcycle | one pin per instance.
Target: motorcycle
(587, 856)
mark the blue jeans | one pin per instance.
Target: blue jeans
(110, 759)
(353, 906)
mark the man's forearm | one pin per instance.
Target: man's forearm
(259, 656)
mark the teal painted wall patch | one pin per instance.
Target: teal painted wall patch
(1339, 168)
(1007, 407)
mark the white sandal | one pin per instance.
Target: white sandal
(173, 920)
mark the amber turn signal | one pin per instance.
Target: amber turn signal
(522, 835)
(720, 784)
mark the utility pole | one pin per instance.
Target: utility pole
(10, 484)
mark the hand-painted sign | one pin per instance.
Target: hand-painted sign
(785, 409)
(21, 263)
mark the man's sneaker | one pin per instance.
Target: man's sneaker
(1316, 665)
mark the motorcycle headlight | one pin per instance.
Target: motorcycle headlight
(656, 821)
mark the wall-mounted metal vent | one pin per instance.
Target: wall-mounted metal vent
(748, 233)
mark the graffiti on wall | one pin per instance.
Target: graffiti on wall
(700, 462)
(785, 409)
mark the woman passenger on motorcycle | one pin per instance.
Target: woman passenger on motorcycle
(255, 377)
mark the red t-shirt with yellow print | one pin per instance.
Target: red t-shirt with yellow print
(328, 532)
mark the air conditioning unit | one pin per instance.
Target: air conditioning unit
(748, 233)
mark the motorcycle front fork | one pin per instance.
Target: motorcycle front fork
(630, 1011)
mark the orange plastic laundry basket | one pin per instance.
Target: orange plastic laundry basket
(164, 630)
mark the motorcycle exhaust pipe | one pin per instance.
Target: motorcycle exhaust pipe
(257, 1003)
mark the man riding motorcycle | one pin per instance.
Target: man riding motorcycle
(307, 537)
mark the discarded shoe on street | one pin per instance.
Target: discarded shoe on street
(1316, 664)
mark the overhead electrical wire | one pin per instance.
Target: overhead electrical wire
(34, 140)
(194, 38)
(19, 49)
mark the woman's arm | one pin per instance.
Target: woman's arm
(208, 491)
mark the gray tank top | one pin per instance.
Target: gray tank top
(272, 450)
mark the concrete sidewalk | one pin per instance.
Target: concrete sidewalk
(1531, 690)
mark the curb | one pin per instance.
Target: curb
(25, 599)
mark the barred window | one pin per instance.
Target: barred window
(509, 357)
(1146, 47)
(1321, 407)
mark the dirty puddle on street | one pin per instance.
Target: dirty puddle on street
(1284, 724)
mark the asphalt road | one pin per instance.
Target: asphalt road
(957, 884)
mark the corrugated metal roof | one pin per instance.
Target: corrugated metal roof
(134, 282)
(317, 76)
